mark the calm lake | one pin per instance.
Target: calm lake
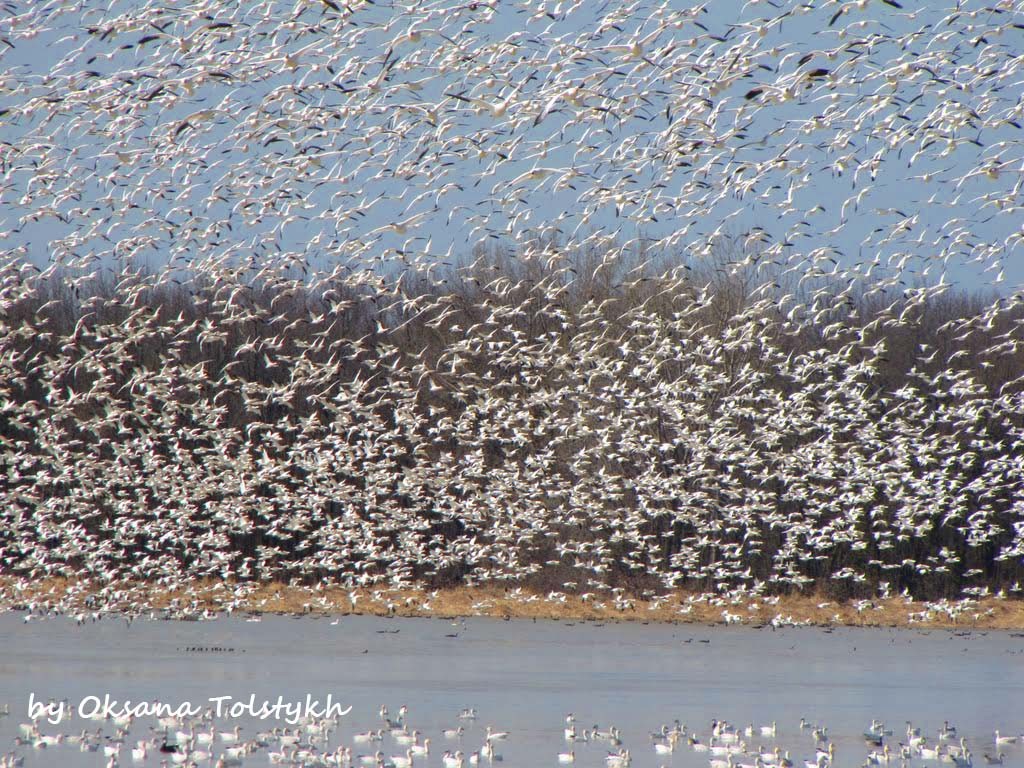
(524, 677)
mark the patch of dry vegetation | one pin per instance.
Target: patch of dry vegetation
(205, 597)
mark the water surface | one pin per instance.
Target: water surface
(524, 677)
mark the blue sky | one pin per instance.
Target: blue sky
(263, 131)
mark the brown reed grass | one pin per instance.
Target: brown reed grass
(189, 600)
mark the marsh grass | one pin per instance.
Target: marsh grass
(215, 597)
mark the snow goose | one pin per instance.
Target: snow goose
(958, 749)
(666, 747)
(877, 758)
(487, 751)
(930, 753)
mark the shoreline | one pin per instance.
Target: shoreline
(205, 599)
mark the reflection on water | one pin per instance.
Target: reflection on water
(524, 677)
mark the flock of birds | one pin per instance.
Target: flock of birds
(320, 742)
(230, 348)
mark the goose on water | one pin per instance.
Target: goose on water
(930, 753)
(877, 758)
(205, 737)
(666, 747)
(198, 755)
(487, 751)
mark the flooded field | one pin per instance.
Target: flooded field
(519, 676)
